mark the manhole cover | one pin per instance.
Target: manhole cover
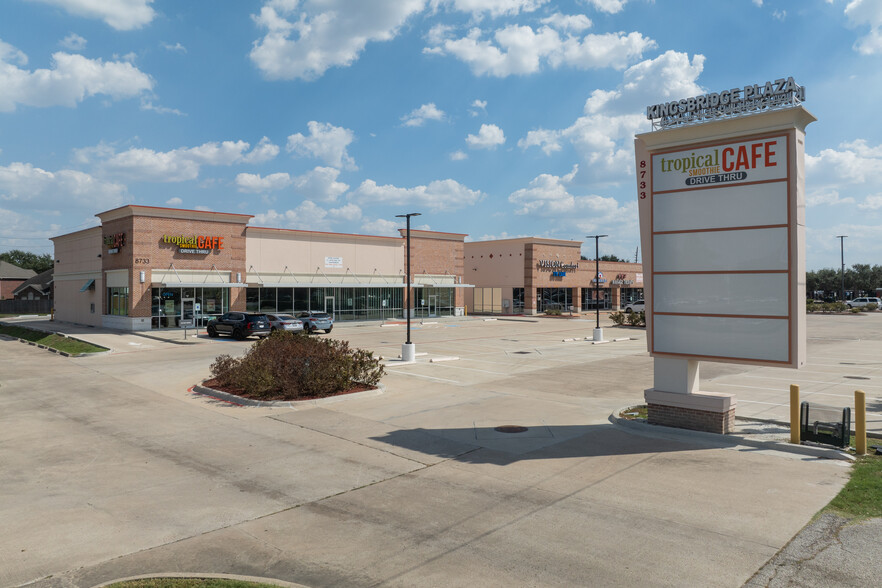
(522, 352)
(857, 377)
(511, 429)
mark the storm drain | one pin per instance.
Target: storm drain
(857, 377)
(511, 429)
(522, 352)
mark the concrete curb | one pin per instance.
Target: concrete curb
(270, 581)
(641, 427)
(240, 401)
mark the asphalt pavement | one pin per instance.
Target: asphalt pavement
(114, 468)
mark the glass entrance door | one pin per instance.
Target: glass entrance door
(433, 306)
(188, 312)
(330, 307)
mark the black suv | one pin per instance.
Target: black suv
(239, 325)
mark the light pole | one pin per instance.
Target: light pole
(408, 353)
(842, 255)
(598, 332)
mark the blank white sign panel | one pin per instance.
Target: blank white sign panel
(745, 250)
(734, 206)
(746, 294)
(743, 338)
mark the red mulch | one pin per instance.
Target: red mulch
(213, 384)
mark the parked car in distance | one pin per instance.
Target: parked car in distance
(314, 321)
(285, 322)
(636, 306)
(239, 325)
(861, 302)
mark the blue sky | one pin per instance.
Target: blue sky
(495, 118)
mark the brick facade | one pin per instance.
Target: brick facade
(690, 418)
(438, 254)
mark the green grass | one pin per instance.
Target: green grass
(188, 583)
(640, 410)
(52, 340)
(862, 495)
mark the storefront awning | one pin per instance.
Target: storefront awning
(202, 285)
(88, 285)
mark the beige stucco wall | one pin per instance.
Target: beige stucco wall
(280, 256)
(495, 263)
(76, 262)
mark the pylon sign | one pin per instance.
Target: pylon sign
(722, 222)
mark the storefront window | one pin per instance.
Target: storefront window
(517, 300)
(588, 299)
(554, 299)
(167, 307)
(630, 295)
(118, 301)
(348, 304)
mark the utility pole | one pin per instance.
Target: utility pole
(407, 350)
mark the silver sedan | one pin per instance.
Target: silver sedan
(285, 322)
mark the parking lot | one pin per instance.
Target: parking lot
(113, 467)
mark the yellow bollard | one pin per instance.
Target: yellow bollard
(794, 414)
(860, 422)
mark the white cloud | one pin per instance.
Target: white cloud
(174, 201)
(550, 196)
(440, 195)
(853, 164)
(568, 23)
(608, 6)
(418, 116)
(866, 12)
(827, 198)
(33, 188)
(147, 104)
(758, 3)
(478, 106)
(521, 50)
(71, 79)
(308, 216)
(325, 142)
(177, 165)
(304, 39)
(488, 137)
(122, 15)
(73, 42)
(177, 47)
(254, 183)
(320, 183)
(263, 151)
(779, 14)
(872, 202)
(382, 227)
(459, 155)
(604, 135)
(9, 54)
(493, 7)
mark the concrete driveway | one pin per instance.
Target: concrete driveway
(111, 468)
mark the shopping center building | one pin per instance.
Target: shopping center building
(532, 275)
(151, 268)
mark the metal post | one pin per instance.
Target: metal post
(842, 254)
(860, 422)
(407, 350)
(794, 414)
(598, 332)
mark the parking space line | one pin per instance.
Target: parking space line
(403, 373)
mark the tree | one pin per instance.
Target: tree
(28, 260)
(610, 258)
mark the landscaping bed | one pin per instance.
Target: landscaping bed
(290, 367)
(53, 341)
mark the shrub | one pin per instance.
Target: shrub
(811, 306)
(871, 306)
(637, 319)
(855, 311)
(618, 318)
(285, 365)
(553, 312)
